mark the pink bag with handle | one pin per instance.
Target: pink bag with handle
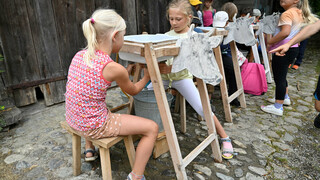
(253, 78)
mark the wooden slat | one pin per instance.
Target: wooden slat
(208, 115)
(152, 16)
(45, 40)
(17, 42)
(183, 114)
(160, 147)
(164, 110)
(167, 51)
(237, 74)
(132, 49)
(23, 97)
(235, 95)
(76, 154)
(106, 142)
(223, 85)
(129, 15)
(67, 30)
(106, 164)
(195, 152)
(136, 78)
(118, 108)
(54, 92)
(128, 142)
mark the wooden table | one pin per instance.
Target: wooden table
(151, 54)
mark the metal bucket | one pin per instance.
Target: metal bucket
(124, 98)
(145, 105)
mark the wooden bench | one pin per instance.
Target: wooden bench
(104, 145)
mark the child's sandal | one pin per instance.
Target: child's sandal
(227, 149)
(93, 157)
(130, 175)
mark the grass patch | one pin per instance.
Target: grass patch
(280, 133)
(282, 160)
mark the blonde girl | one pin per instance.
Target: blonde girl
(208, 13)
(90, 74)
(179, 14)
(297, 13)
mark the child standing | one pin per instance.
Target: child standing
(208, 13)
(179, 14)
(296, 13)
(302, 35)
(90, 74)
(197, 15)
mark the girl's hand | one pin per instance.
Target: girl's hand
(281, 50)
(164, 68)
(131, 68)
(145, 72)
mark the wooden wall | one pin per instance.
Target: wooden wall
(39, 39)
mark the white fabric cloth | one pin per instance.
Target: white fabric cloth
(239, 31)
(197, 56)
(268, 24)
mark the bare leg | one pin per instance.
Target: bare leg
(131, 125)
(219, 128)
(87, 146)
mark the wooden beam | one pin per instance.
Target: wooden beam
(195, 152)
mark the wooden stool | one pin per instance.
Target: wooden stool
(104, 145)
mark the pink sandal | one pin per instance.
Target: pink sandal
(227, 149)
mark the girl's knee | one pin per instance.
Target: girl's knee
(153, 128)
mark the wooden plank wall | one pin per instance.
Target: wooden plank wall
(39, 39)
(151, 16)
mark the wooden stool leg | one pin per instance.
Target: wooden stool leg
(177, 103)
(76, 154)
(183, 116)
(105, 163)
(130, 149)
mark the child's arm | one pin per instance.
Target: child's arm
(302, 35)
(116, 72)
(285, 31)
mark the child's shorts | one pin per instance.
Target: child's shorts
(110, 128)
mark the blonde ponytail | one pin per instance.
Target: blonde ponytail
(99, 28)
(308, 17)
(90, 34)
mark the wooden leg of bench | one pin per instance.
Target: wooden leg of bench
(177, 103)
(183, 116)
(76, 154)
(105, 163)
(130, 149)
